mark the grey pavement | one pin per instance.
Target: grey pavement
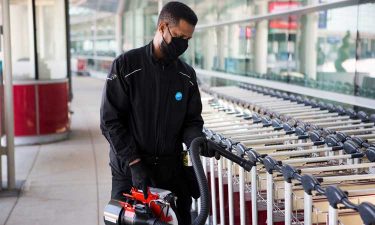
(66, 182)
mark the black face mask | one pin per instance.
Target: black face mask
(174, 49)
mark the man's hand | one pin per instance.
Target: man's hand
(140, 177)
(208, 150)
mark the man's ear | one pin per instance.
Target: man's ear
(161, 27)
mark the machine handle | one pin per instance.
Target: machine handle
(247, 165)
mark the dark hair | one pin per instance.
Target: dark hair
(173, 12)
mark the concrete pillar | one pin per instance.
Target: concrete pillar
(118, 33)
(94, 32)
(119, 23)
(221, 43)
(261, 39)
(309, 37)
(209, 48)
(8, 96)
(138, 28)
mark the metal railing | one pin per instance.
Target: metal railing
(293, 161)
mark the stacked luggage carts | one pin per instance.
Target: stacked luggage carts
(313, 163)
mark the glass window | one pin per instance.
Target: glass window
(365, 64)
(23, 59)
(51, 39)
(150, 21)
(81, 34)
(139, 25)
(281, 44)
(335, 51)
(105, 27)
(327, 50)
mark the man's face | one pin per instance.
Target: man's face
(182, 30)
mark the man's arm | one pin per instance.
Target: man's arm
(193, 124)
(114, 115)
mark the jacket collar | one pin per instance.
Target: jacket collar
(153, 59)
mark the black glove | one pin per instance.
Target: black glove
(209, 149)
(140, 177)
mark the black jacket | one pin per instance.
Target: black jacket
(149, 108)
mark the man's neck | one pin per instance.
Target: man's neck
(156, 49)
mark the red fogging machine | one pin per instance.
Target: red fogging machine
(159, 208)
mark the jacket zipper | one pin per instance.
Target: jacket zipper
(158, 117)
(167, 106)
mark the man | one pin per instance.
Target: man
(151, 105)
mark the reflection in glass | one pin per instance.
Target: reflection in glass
(51, 39)
(365, 63)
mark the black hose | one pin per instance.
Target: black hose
(201, 178)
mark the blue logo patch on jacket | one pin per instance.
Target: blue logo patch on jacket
(178, 96)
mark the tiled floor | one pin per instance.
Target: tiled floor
(67, 182)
